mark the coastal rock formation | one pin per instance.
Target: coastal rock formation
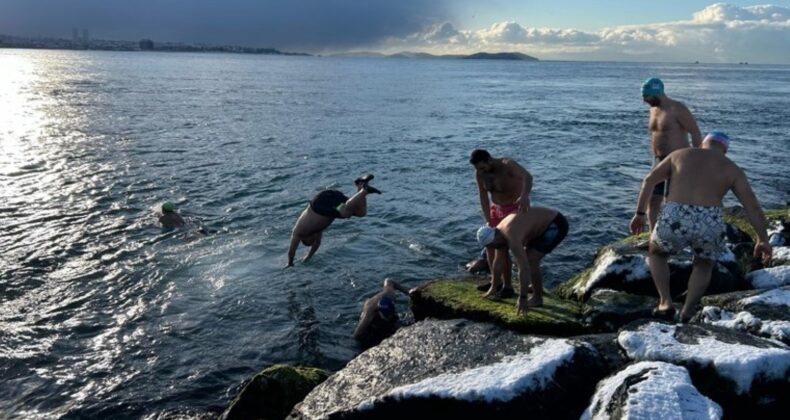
(768, 278)
(460, 369)
(459, 298)
(778, 233)
(272, 393)
(650, 390)
(775, 329)
(761, 312)
(623, 266)
(607, 310)
(743, 373)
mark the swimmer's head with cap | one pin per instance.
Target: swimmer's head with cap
(168, 207)
(652, 90)
(386, 307)
(718, 137)
(486, 235)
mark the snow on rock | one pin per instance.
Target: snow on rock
(650, 390)
(741, 363)
(769, 278)
(500, 381)
(773, 297)
(781, 253)
(776, 329)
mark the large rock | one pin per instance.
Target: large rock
(745, 321)
(650, 390)
(778, 227)
(272, 393)
(459, 298)
(746, 375)
(769, 278)
(623, 266)
(460, 369)
(771, 304)
(607, 310)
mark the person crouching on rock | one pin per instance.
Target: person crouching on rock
(323, 209)
(530, 237)
(692, 217)
(379, 318)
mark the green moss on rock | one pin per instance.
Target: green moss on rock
(272, 393)
(459, 298)
(736, 216)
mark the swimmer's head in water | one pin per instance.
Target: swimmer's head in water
(718, 137)
(480, 159)
(486, 235)
(168, 207)
(386, 307)
(652, 87)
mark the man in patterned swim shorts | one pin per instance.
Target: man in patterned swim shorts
(692, 216)
(509, 185)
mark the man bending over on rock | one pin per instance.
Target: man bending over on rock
(692, 216)
(323, 209)
(530, 237)
(508, 185)
(379, 319)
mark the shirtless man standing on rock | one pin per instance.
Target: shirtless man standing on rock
(530, 237)
(670, 124)
(323, 209)
(509, 185)
(692, 217)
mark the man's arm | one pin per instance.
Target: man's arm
(658, 174)
(520, 255)
(313, 248)
(689, 123)
(485, 205)
(292, 249)
(368, 313)
(754, 213)
(390, 283)
(526, 182)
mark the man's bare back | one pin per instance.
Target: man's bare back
(701, 176)
(527, 227)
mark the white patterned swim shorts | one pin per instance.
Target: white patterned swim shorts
(700, 228)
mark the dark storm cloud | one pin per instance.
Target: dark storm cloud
(285, 24)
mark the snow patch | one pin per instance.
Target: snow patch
(611, 263)
(768, 278)
(745, 321)
(779, 330)
(781, 253)
(665, 393)
(500, 381)
(739, 362)
(773, 297)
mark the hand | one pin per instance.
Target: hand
(763, 251)
(523, 204)
(637, 224)
(521, 306)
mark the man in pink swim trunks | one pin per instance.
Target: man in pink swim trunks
(504, 187)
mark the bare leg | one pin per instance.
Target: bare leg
(357, 205)
(653, 208)
(507, 271)
(698, 283)
(536, 277)
(496, 258)
(659, 268)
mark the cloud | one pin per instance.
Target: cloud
(718, 33)
(305, 25)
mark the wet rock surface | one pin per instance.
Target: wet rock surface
(623, 266)
(650, 390)
(771, 304)
(272, 393)
(459, 298)
(607, 310)
(742, 373)
(461, 369)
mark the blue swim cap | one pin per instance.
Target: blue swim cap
(387, 306)
(653, 87)
(718, 136)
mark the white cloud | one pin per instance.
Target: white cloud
(719, 33)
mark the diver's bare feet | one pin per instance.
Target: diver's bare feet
(492, 292)
(535, 302)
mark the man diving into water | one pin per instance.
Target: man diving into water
(323, 209)
(503, 186)
(670, 124)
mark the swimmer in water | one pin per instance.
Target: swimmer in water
(379, 318)
(170, 219)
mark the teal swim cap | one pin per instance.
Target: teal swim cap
(653, 87)
(168, 207)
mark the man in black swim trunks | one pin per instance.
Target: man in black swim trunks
(323, 209)
(379, 319)
(530, 237)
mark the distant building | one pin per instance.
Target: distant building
(85, 36)
(75, 35)
(146, 44)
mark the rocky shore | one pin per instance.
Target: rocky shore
(592, 351)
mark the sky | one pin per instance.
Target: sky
(631, 30)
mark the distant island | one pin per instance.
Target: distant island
(477, 56)
(83, 43)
